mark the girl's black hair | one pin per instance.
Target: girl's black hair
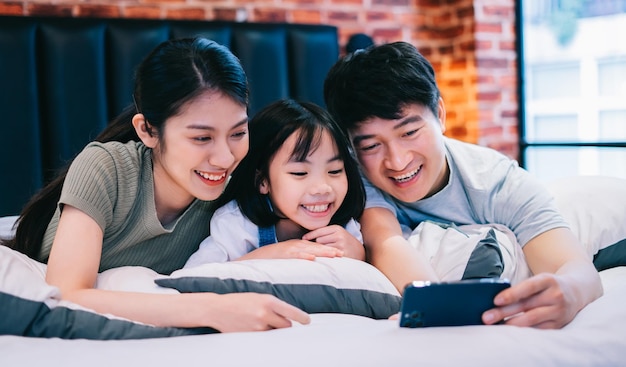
(269, 129)
(173, 74)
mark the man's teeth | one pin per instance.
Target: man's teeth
(211, 177)
(407, 176)
(316, 208)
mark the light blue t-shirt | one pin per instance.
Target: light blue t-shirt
(485, 187)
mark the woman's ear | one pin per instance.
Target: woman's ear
(145, 131)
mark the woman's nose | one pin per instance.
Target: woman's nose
(222, 156)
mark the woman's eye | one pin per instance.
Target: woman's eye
(202, 138)
(240, 134)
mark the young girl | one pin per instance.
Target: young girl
(140, 194)
(295, 195)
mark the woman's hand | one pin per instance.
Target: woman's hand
(253, 312)
(338, 237)
(293, 249)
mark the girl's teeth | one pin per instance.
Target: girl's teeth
(316, 208)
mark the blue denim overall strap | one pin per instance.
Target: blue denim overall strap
(267, 235)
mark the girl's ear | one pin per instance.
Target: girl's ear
(145, 131)
(264, 187)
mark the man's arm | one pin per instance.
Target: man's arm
(388, 251)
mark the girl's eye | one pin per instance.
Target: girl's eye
(336, 171)
(298, 173)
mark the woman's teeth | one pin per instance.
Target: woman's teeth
(211, 177)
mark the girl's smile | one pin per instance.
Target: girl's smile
(309, 192)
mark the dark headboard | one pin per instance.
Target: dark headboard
(63, 79)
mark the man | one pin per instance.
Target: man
(387, 100)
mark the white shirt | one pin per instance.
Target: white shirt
(233, 235)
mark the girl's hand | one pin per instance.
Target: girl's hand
(336, 236)
(293, 249)
(253, 312)
(544, 301)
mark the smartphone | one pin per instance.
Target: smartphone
(426, 304)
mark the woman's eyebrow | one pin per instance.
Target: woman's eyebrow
(211, 128)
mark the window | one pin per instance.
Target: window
(573, 87)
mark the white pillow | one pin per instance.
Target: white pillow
(6, 226)
(595, 207)
(326, 285)
(30, 307)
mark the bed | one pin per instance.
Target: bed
(349, 301)
(353, 331)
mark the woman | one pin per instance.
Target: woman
(140, 194)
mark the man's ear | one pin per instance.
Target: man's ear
(145, 131)
(441, 114)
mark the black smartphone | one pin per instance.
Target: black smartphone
(462, 302)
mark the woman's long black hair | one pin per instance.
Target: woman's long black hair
(173, 74)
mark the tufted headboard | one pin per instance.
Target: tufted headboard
(63, 79)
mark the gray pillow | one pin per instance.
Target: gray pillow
(326, 285)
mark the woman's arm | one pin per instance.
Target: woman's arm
(565, 282)
(388, 251)
(73, 268)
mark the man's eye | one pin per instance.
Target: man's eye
(368, 147)
(410, 133)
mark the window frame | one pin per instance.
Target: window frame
(524, 143)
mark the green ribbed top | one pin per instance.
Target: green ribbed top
(113, 183)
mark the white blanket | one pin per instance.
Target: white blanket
(596, 337)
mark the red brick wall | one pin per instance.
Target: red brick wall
(469, 42)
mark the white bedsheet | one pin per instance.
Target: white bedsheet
(596, 337)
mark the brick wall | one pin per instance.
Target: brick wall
(470, 43)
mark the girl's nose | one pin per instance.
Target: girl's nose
(321, 187)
